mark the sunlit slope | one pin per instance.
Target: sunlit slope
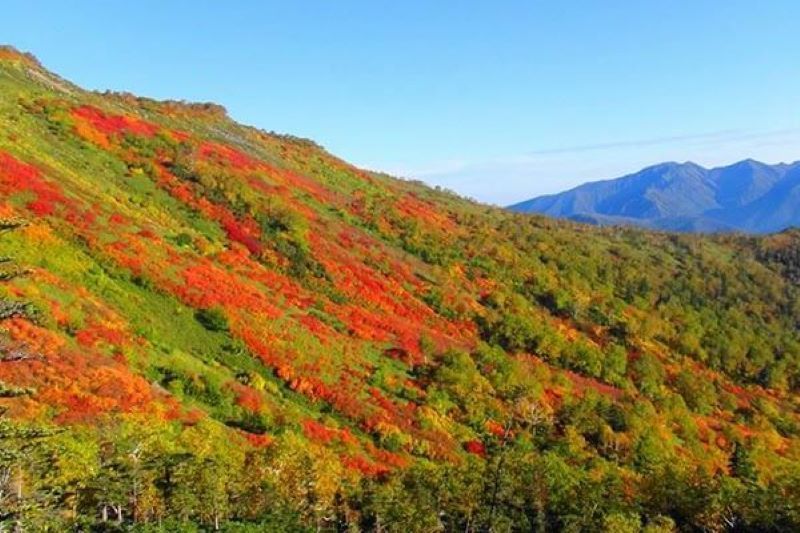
(180, 270)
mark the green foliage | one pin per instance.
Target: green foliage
(213, 319)
(649, 375)
(697, 391)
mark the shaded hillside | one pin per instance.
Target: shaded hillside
(747, 196)
(208, 324)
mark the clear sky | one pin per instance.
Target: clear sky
(498, 100)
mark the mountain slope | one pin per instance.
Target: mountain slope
(204, 324)
(746, 196)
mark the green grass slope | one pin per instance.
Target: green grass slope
(208, 326)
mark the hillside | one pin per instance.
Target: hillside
(205, 325)
(748, 196)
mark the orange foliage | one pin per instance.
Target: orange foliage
(495, 428)
(86, 131)
(80, 384)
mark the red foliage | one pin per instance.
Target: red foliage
(412, 207)
(16, 177)
(319, 432)
(147, 234)
(240, 263)
(342, 396)
(117, 219)
(400, 414)
(258, 441)
(114, 124)
(206, 285)
(226, 156)
(96, 333)
(364, 466)
(347, 438)
(393, 460)
(475, 447)
(386, 309)
(320, 330)
(245, 233)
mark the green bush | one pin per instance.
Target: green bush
(213, 319)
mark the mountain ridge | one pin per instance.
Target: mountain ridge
(681, 196)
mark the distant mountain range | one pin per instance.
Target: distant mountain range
(747, 196)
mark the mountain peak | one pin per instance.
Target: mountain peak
(671, 165)
(749, 162)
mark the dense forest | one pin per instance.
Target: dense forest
(205, 326)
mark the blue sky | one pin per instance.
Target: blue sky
(499, 100)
